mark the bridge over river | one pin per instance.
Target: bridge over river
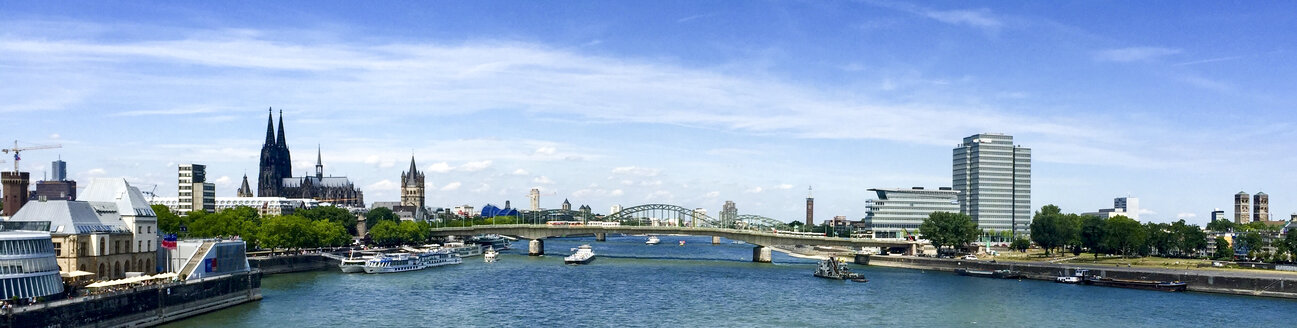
(537, 233)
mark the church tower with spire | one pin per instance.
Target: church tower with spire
(271, 175)
(412, 186)
(245, 190)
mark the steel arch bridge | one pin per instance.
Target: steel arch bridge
(643, 215)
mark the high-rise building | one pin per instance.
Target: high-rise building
(810, 208)
(993, 178)
(534, 196)
(58, 187)
(1261, 207)
(729, 214)
(1242, 208)
(58, 170)
(15, 190)
(195, 193)
(898, 212)
(412, 186)
(1218, 214)
(1121, 206)
(614, 209)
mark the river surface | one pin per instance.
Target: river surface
(704, 285)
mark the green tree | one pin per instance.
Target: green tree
(330, 234)
(380, 214)
(168, 222)
(1159, 238)
(1045, 228)
(287, 231)
(1223, 249)
(1288, 244)
(1189, 240)
(949, 229)
(1123, 235)
(386, 233)
(1020, 244)
(1253, 241)
(1092, 228)
(1220, 226)
(331, 214)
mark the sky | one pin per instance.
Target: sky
(689, 103)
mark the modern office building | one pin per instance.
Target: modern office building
(898, 212)
(1242, 208)
(1261, 207)
(534, 196)
(1218, 214)
(993, 178)
(1121, 206)
(204, 258)
(614, 209)
(28, 267)
(58, 186)
(195, 193)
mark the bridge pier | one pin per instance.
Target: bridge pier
(761, 254)
(913, 250)
(716, 240)
(536, 247)
(601, 236)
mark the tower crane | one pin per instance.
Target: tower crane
(16, 150)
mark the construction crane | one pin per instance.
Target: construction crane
(16, 150)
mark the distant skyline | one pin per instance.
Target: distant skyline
(688, 103)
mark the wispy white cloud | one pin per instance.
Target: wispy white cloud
(784, 186)
(452, 186)
(636, 171)
(1186, 215)
(754, 190)
(1134, 54)
(383, 185)
(439, 167)
(475, 166)
(542, 180)
(980, 18)
(520, 172)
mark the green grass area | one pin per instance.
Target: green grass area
(1037, 255)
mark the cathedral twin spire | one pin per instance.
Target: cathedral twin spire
(276, 161)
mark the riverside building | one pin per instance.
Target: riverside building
(898, 212)
(993, 178)
(28, 267)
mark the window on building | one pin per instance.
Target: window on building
(58, 249)
(139, 247)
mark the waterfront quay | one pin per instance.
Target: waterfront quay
(1259, 283)
(148, 305)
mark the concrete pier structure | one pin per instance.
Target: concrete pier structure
(536, 247)
(716, 240)
(761, 254)
(601, 236)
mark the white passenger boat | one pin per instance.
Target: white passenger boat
(490, 254)
(440, 257)
(464, 250)
(353, 264)
(395, 262)
(583, 255)
(653, 240)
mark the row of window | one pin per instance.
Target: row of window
(26, 246)
(34, 265)
(28, 287)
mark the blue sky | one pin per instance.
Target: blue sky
(690, 103)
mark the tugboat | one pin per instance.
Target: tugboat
(583, 255)
(832, 268)
(653, 240)
(490, 254)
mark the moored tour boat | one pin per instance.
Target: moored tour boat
(395, 262)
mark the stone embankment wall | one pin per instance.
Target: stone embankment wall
(141, 306)
(292, 263)
(1225, 282)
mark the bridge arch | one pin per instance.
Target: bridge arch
(758, 222)
(643, 215)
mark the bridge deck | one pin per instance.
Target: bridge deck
(539, 231)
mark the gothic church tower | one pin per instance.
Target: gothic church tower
(412, 186)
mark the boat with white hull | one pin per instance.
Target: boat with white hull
(653, 240)
(583, 255)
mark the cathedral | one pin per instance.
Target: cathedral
(276, 178)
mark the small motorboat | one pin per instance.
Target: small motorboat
(833, 268)
(490, 254)
(653, 240)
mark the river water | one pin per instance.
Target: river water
(704, 285)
